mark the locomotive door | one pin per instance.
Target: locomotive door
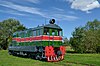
(52, 34)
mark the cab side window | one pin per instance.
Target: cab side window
(34, 33)
(14, 35)
(46, 32)
(38, 32)
(60, 33)
(41, 31)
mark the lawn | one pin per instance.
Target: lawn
(70, 60)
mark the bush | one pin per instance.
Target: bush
(98, 49)
(0, 48)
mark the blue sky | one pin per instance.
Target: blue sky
(67, 13)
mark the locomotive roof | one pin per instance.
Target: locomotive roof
(53, 26)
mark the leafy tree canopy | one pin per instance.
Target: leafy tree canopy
(86, 38)
(7, 28)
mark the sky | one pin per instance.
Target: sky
(68, 14)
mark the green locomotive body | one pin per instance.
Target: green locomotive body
(42, 42)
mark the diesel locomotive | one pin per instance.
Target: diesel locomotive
(41, 42)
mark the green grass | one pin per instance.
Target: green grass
(84, 59)
(70, 60)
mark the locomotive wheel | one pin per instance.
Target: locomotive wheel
(31, 55)
(9, 52)
(13, 53)
(38, 57)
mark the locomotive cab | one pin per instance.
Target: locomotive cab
(54, 33)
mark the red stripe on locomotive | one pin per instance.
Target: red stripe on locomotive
(36, 38)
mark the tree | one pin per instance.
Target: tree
(7, 28)
(66, 41)
(77, 40)
(92, 33)
(86, 38)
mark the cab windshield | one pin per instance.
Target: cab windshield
(53, 32)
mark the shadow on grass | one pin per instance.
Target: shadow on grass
(33, 58)
(71, 52)
(74, 52)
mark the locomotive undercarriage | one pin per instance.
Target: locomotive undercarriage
(48, 53)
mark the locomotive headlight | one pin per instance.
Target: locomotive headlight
(52, 21)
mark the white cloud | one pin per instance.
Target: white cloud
(71, 12)
(69, 0)
(58, 9)
(63, 17)
(21, 8)
(13, 12)
(59, 14)
(33, 1)
(84, 5)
